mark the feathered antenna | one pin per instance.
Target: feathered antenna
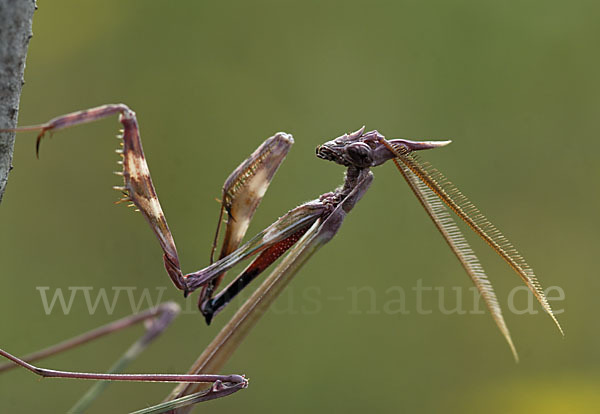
(424, 179)
(444, 222)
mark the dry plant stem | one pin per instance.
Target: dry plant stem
(96, 333)
(192, 399)
(15, 32)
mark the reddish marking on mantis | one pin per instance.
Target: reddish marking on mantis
(301, 232)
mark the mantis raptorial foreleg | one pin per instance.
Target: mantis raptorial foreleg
(137, 183)
(242, 191)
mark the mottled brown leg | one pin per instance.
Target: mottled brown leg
(138, 187)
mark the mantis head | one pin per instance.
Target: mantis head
(362, 149)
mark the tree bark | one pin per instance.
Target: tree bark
(15, 32)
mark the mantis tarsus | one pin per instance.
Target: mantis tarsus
(301, 231)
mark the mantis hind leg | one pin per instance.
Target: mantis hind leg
(156, 319)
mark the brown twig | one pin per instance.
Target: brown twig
(15, 31)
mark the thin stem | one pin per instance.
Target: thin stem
(95, 333)
(216, 391)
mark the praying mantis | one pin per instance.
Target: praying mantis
(296, 235)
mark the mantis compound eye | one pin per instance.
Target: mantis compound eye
(359, 154)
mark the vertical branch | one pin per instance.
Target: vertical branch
(15, 32)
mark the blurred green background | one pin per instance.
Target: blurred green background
(515, 84)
